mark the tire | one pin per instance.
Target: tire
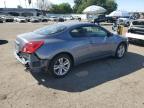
(121, 50)
(60, 65)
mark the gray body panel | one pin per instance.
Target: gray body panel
(82, 49)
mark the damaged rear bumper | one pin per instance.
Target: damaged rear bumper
(32, 62)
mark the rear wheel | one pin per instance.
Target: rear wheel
(121, 50)
(60, 65)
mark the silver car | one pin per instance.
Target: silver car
(57, 48)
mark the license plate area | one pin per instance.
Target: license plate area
(17, 47)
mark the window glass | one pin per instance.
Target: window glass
(79, 32)
(138, 23)
(51, 29)
(88, 31)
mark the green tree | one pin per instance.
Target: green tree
(54, 9)
(77, 4)
(65, 8)
(80, 5)
(110, 6)
(61, 8)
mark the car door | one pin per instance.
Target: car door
(82, 42)
(101, 43)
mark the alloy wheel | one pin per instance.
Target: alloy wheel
(61, 66)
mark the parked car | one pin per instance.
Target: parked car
(111, 19)
(77, 18)
(53, 18)
(20, 19)
(100, 18)
(57, 48)
(28, 18)
(8, 18)
(96, 19)
(1, 20)
(136, 31)
(69, 18)
(60, 19)
(43, 19)
(124, 21)
(34, 19)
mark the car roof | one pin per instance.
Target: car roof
(74, 23)
(123, 18)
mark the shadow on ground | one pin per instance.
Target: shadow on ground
(138, 43)
(3, 42)
(91, 74)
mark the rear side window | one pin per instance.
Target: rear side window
(51, 29)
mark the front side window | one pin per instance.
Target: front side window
(88, 31)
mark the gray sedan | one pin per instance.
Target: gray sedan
(57, 48)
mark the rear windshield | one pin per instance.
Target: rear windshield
(51, 29)
(141, 23)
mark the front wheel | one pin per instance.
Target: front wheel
(60, 65)
(121, 50)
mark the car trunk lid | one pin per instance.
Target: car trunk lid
(22, 39)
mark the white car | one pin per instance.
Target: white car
(20, 19)
(69, 18)
(53, 18)
(136, 31)
(124, 21)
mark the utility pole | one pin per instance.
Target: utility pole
(25, 4)
(20, 3)
(37, 4)
(5, 4)
(32, 5)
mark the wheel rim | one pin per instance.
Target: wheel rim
(121, 50)
(61, 66)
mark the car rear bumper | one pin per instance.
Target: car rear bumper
(32, 62)
(22, 60)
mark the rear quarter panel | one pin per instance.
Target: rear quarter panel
(53, 47)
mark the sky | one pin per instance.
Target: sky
(127, 5)
(130, 5)
(14, 3)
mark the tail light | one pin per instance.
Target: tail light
(32, 46)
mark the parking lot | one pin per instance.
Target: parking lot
(106, 83)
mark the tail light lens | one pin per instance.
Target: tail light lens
(32, 46)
